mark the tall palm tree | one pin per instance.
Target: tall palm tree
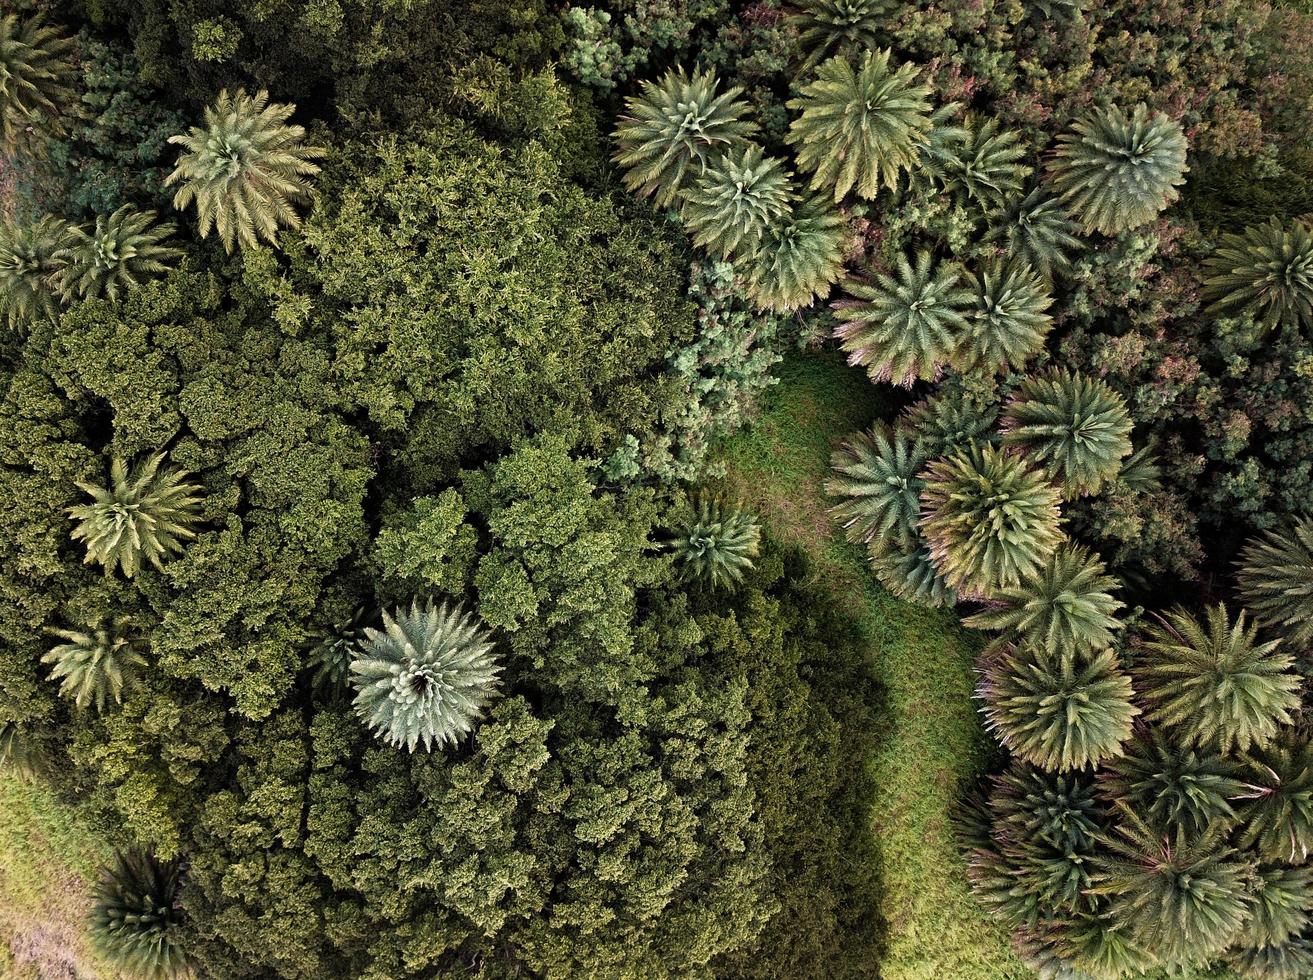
(842, 27)
(36, 71)
(717, 543)
(1010, 320)
(731, 206)
(986, 166)
(799, 257)
(244, 169)
(1266, 269)
(1035, 229)
(28, 267)
(136, 918)
(877, 473)
(96, 665)
(118, 253)
(1276, 581)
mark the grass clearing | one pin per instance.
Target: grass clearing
(934, 743)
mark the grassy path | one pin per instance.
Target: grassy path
(934, 930)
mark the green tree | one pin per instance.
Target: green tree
(36, 72)
(96, 665)
(860, 124)
(738, 197)
(800, 256)
(244, 169)
(1278, 808)
(1276, 580)
(837, 27)
(990, 521)
(877, 473)
(1036, 230)
(146, 513)
(1115, 171)
(1212, 683)
(118, 254)
(1268, 270)
(1076, 427)
(957, 414)
(136, 921)
(1185, 791)
(426, 676)
(429, 545)
(905, 327)
(985, 166)
(1058, 711)
(28, 268)
(1067, 607)
(716, 542)
(674, 130)
(1010, 319)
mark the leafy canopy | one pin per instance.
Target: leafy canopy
(28, 267)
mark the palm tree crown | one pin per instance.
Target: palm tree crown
(908, 326)
(985, 166)
(1036, 230)
(146, 513)
(674, 129)
(799, 257)
(121, 250)
(830, 27)
(426, 676)
(244, 169)
(1076, 427)
(860, 127)
(95, 665)
(36, 68)
(718, 544)
(730, 207)
(1278, 810)
(1276, 581)
(877, 472)
(1213, 683)
(910, 574)
(1115, 171)
(1009, 322)
(1176, 790)
(135, 918)
(1267, 269)
(28, 268)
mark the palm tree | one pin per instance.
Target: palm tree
(1115, 171)
(905, 327)
(842, 27)
(426, 676)
(28, 268)
(860, 127)
(1009, 323)
(876, 472)
(1278, 814)
(1184, 791)
(989, 520)
(1036, 230)
(146, 513)
(1066, 608)
(330, 657)
(1058, 711)
(800, 257)
(718, 544)
(122, 250)
(738, 197)
(36, 69)
(957, 415)
(1283, 898)
(911, 575)
(1076, 427)
(674, 129)
(985, 166)
(1100, 946)
(1213, 684)
(244, 169)
(1276, 581)
(96, 665)
(1266, 269)
(1185, 898)
(135, 918)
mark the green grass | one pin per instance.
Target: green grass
(934, 744)
(47, 859)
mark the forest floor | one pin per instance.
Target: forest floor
(933, 745)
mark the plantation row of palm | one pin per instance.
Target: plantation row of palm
(1158, 808)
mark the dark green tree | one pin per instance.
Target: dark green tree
(28, 268)
(1036, 230)
(716, 542)
(117, 255)
(1176, 790)
(1278, 808)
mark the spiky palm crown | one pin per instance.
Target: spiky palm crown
(146, 513)
(1064, 809)
(730, 206)
(799, 257)
(1276, 581)
(244, 169)
(1068, 607)
(1185, 897)
(990, 521)
(426, 676)
(877, 474)
(860, 127)
(1278, 807)
(985, 166)
(1116, 171)
(1009, 322)
(330, 657)
(1076, 427)
(905, 327)
(953, 417)
(28, 267)
(96, 665)
(135, 919)
(1283, 899)
(674, 129)
(1268, 269)
(1174, 789)
(911, 575)
(36, 69)
(1035, 229)
(836, 27)
(1212, 683)
(1291, 960)
(118, 253)
(1059, 711)
(717, 543)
